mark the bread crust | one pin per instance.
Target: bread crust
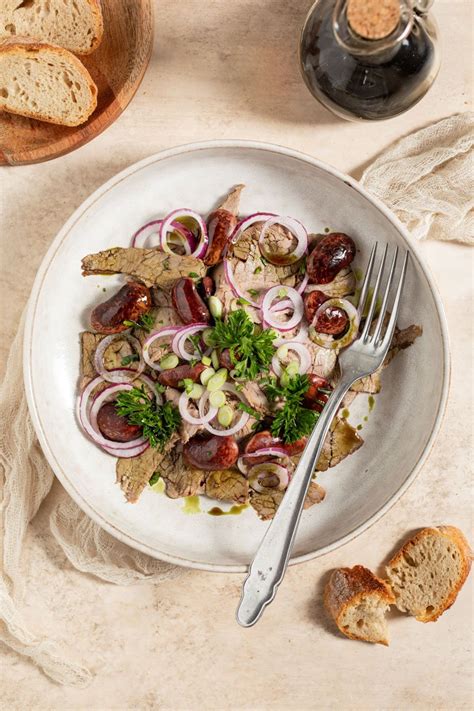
(23, 45)
(96, 10)
(457, 538)
(347, 587)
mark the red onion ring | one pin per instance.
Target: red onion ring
(325, 340)
(118, 375)
(152, 230)
(180, 338)
(300, 337)
(304, 356)
(263, 452)
(227, 387)
(124, 450)
(248, 222)
(161, 333)
(184, 412)
(296, 229)
(168, 226)
(267, 313)
(258, 472)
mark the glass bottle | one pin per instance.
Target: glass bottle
(365, 78)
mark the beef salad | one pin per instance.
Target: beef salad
(210, 366)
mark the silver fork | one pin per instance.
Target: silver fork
(361, 358)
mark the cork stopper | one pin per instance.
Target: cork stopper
(373, 19)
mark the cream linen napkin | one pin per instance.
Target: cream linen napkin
(426, 179)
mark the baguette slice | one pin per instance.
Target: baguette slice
(429, 571)
(76, 25)
(357, 601)
(45, 82)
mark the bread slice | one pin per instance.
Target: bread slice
(76, 25)
(45, 82)
(429, 571)
(357, 601)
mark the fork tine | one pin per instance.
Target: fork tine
(370, 315)
(365, 285)
(393, 316)
(383, 309)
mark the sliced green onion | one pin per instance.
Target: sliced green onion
(217, 380)
(217, 398)
(225, 416)
(215, 360)
(293, 368)
(206, 375)
(205, 360)
(196, 391)
(282, 352)
(215, 306)
(207, 336)
(169, 362)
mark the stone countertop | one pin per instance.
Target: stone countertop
(225, 69)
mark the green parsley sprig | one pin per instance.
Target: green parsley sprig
(158, 422)
(251, 349)
(145, 322)
(292, 420)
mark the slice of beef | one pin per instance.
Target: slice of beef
(227, 485)
(231, 201)
(134, 474)
(323, 360)
(186, 429)
(181, 480)
(341, 441)
(151, 266)
(256, 398)
(267, 503)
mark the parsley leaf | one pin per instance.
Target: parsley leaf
(154, 478)
(145, 322)
(251, 350)
(249, 410)
(292, 420)
(158, 422)
(126, 360)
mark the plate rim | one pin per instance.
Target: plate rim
(36, 291)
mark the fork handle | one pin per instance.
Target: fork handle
(269, 565)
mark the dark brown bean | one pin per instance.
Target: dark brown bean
(332, 321)
(211, 453)
(334, 252)
(172, 378)
(130, 303)
(225, 359)
(314, 399)
(220, 226)
(208, 286)
(187, 302)
(115, 426)
(265, 439)
(312, 301)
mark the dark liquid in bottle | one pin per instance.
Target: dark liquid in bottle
(375, 88)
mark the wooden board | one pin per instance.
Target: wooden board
(117, 67)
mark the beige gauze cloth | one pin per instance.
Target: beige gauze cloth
(425, 178)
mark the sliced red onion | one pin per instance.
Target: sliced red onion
(242, 421)
(302, 286)
(260, 471)
(118, 375)
(263, 452)
(168, 225)
(268, 315)
(124, 450)
(326, 340)
(229, 275)
(304, 356)
(296, 229)
(161, 333)
(202, 420)
(180, 338)
(248, 222)
(149, 230)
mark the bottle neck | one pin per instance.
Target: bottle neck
(375, 48)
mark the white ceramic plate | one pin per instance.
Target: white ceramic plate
(398, 433)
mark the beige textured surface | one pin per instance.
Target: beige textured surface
(228, 68)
